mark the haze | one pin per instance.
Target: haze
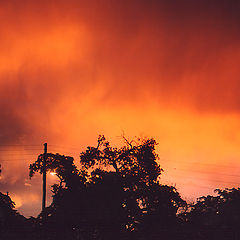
(70, 70)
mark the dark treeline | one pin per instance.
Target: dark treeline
(117, 194)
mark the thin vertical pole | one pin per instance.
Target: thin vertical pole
(44, 177)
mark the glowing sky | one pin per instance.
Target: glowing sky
(70, 70)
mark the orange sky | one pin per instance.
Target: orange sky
(70, 70)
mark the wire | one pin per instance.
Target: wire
(13, 160)
(65, 147)
(199, 163)
(192, 183)
(19, 145)
(17, 151)
(206, 179)
(207, 172)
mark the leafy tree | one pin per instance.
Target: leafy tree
(216, 216)
(115, 193)
(12, 224)
(62, 165)
(145, 203)
(136, 158)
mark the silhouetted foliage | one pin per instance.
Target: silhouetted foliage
(12, 224)
(117, 194)
(216, 216)
(136, 158)
(62, 165)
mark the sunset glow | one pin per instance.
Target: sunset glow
(70, 70)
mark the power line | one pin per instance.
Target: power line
(77, 153)
(13, 160)
(207, 172)
(206, 179)
(19, 145)
(18, 151)
(66, 147)
(180, 182)
(178, 169)
(199, 163)
(18, 155)
(192, 183)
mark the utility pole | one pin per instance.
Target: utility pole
(44, 177)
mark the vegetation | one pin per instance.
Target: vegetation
(117, 194)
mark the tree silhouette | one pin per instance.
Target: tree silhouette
(52, 223)
(12, 224)
(116, 193)
(62, 165)
(144, 201)
(136, 158)
(216, 216)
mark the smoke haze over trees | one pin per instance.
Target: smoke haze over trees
(117, 194)
(167, 69)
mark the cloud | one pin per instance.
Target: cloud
(72, 69)
(134, 49)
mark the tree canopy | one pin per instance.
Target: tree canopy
(115, 188)
(116, 193)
